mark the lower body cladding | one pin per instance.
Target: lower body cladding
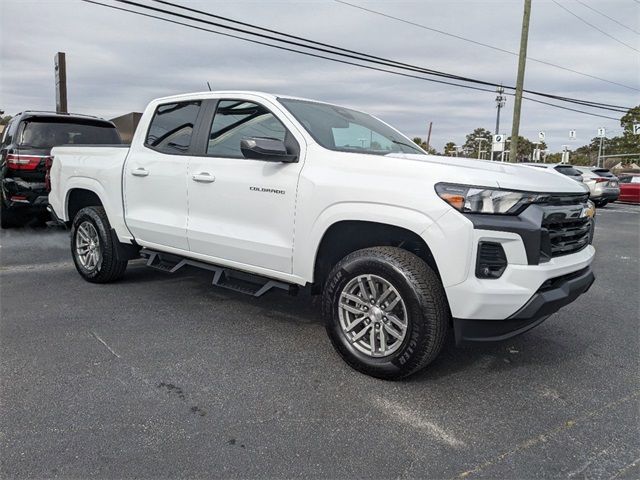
(536, 263)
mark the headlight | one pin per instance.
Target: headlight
(590, 209)
(470, 199)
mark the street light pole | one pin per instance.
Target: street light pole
(480, 140)
(500, 101)
(517, 104)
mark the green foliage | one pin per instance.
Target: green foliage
(526, 147)
(449, 149)
(5, 120)
(422, 144)
(622, 144)
(472, 143)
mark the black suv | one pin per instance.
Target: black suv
(25, 157)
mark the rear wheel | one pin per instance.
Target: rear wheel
(92, 247)
(385, 312)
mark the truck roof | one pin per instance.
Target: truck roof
(215, 93)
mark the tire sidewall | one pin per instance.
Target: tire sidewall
(400, 361)
(89, 214)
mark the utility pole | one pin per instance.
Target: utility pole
(500, 101)
(429, 136)
(515, 128)
(61, 82)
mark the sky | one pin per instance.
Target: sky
(117, 62)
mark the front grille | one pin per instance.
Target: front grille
(554, 199)
(566, 236)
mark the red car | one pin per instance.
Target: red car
(629, 188)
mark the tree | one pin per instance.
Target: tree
(423, 145)
(5, 120)
(526, 147)
(628, 142)
(449, 149)
(622, 144)
(472, 143)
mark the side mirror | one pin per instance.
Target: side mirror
(268, 149)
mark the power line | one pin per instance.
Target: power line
(314, 54)
(355, 54)
(284, 48)
(486, 45)
(594, 27)
(567, 108)
(607, 16)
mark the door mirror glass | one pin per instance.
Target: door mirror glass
(264, 148)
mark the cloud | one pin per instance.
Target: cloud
(117, 62)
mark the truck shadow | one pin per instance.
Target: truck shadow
(531, 348)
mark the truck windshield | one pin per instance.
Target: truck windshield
(46, 134)
(346, 130)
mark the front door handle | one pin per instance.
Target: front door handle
(140, 172)
(203, 177)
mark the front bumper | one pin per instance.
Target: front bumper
(554, 294)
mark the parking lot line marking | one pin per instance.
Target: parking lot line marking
(104, 343)
(413, 419)
(625, 469)
(543, 437)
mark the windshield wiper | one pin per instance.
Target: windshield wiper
(412, 147)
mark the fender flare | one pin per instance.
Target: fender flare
(375, 212)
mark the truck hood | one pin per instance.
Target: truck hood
(503, 175)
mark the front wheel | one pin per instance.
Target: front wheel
(93, 248)
(385, 311)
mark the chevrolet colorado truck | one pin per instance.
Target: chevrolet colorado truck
(270, 191)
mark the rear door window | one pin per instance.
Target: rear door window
(172, 127)
(42, 133)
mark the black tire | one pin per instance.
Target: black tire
(425, 303)
(109, 268)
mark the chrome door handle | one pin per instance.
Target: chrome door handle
(203, 177)
(140, 172)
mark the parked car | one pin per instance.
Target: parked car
(271, 191)
(630, 188)
(563, 168)
(603, 185)
(25, 151)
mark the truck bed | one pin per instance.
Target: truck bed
(96, 168)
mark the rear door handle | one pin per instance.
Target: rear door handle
(140, 172)
(203, 177)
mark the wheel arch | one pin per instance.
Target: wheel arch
(346, 236)
(78, 198)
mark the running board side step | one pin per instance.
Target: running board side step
(242, 282)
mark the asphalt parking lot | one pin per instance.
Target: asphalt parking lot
(165, 376)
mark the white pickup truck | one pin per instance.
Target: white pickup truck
(271, 191)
